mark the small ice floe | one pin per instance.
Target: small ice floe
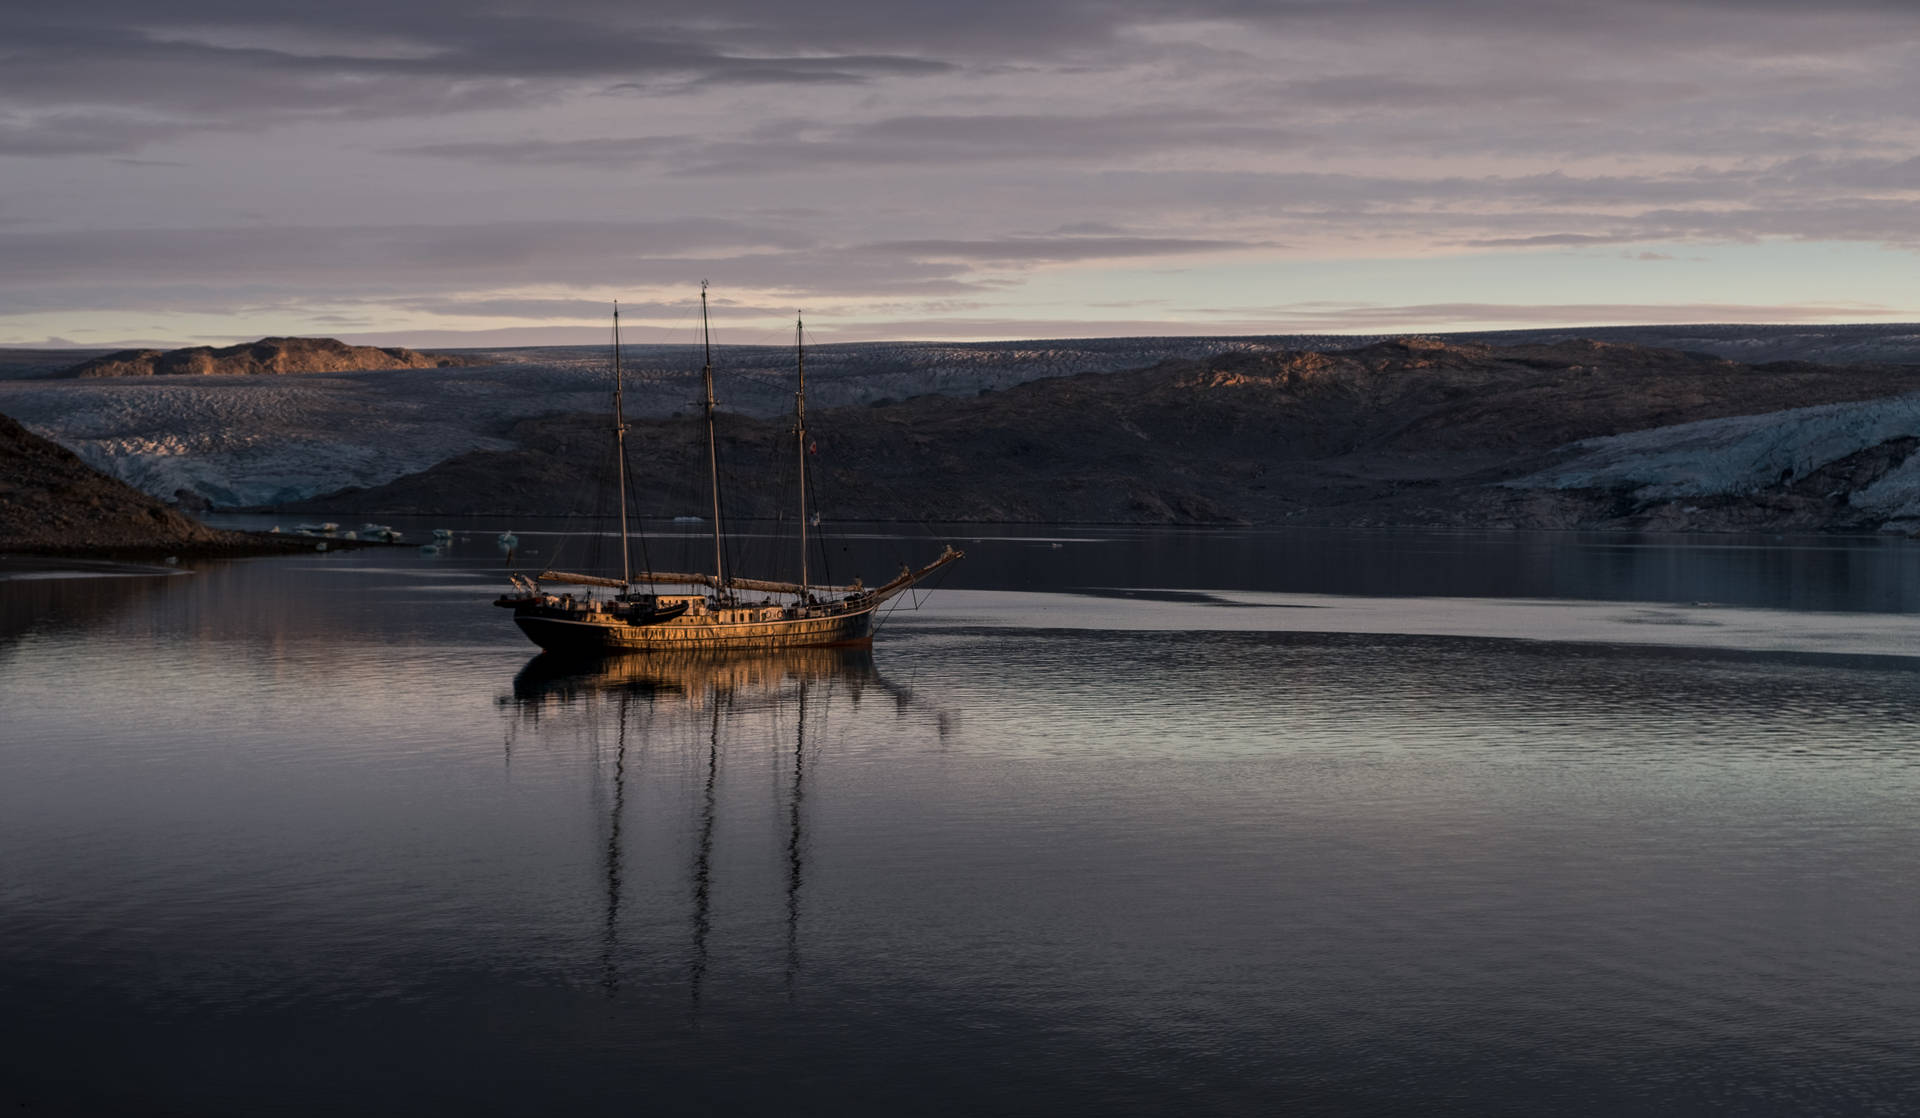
(689, 520)
(429, 549)
(443, 533)
(507, 539)
(274, 531)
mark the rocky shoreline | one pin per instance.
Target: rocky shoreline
(53, 504)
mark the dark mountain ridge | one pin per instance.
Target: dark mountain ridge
(1410, 431)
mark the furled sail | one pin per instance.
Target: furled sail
(765, 586)
(579, 580)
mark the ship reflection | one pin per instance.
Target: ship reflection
(698, 701)
(550, 682)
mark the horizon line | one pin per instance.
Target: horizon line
(412, 339)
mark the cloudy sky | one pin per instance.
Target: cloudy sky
(495, 171)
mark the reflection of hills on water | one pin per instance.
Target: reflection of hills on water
(99, 593)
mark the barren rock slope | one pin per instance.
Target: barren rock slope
(268, 355)
(50, 501)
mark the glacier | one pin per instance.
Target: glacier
(1743, 454)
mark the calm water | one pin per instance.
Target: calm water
(1141, 822)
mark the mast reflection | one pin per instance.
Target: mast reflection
(793, 841)
(610, 938)
(657, 701)
(703, 870)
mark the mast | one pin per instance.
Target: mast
(800, 430)
(620, 449)
(713, 451)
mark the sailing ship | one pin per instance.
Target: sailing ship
(633, 615)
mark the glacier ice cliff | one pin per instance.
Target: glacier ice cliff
(1745, 454)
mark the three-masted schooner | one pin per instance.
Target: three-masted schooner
(637, 617)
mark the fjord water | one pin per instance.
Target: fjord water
(1135, 822)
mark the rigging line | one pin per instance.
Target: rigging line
(646, 559)
(571, 523)
(767, 338)
(681, 327)
(890, 496)
(893, 495)
(624, 468)
(713, 451)
(886, 611)
(800, 438)
(756, 547)
(821, 536)
(584, 528)
(769, 545)
(725, 539)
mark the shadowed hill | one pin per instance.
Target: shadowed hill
(50, 501)
(266, 356)
(1407, 431)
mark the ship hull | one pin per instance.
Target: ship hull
(603, 635)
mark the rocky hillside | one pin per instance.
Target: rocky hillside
(266, 356)
(1411, 431)
(50, 502)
